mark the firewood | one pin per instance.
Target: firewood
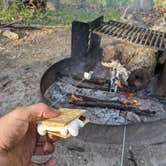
(113, 106)
(91, 86)
(138, 60)
(5, 25)
(90, 98)
(32, 27)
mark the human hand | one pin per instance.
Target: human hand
(19, 140)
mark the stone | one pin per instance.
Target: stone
(10, 35)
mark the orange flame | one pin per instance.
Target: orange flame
(126, 102)
(75, 98)
(133, 102)
(119, 84)
(136, 102)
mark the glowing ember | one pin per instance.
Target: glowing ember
(75, 98)
(119, 84)
(136, 102)
(132, 102)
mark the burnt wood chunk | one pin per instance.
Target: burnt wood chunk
(88, 85)
(113, 106)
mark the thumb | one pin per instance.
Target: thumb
(50, 162)
(41, 111)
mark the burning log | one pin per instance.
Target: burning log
(99, 83)
(140, 62)
(81, 98)
(75, 98)
(112, 105)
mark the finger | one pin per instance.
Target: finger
(49, 138)
(50, 162)
(41, 111)
(38, 151)
(41, 139)
(44, 149)
(48, 147)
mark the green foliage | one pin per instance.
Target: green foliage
(66, 16)
(160, 2)
(164, 3)
(105, 3)
(63, 16)
(14, 12)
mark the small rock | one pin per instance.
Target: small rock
(10, 35)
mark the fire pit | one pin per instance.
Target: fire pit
(84, 81)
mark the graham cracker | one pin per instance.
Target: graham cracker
(68, 135)
(66, 116)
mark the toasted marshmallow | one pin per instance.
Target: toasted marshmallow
(88, 75)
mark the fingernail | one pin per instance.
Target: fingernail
(51, 114)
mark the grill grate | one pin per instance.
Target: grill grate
(133, 34)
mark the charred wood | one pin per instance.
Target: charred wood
(93, 99)
(99, 83)
(90, 86)
(113, 106)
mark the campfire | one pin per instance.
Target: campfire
(111, 82)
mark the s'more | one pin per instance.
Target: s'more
(65, 125)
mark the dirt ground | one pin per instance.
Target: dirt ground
(22, 64)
